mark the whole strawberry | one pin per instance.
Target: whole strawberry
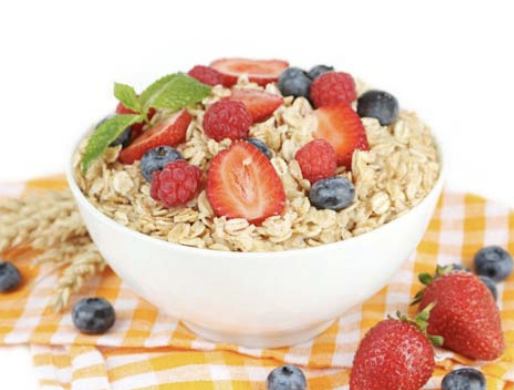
(396, 354)
(465, 313)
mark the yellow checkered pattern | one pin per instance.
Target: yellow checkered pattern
(147, 350)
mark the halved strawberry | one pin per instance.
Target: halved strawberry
(343, 129)
(137, 128)
(261, 72)
(261, 105)
(242, 183)
(169, 132)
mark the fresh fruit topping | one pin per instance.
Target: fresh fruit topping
(261, 146)
(176, 184)
(261, 72)
(332, 88)
(493, 262)
(334, 193)
(464, 379)
(227, 119)
(172, 92)
(287, 378)
(242, 183)
(93, 315)
(318, 160)
(460, 267)
(490, 285)
(380, 105)
(343, 129)
(205, 75)
(121, 109)
(294, 82)
(261, 105)
(396, 354)
(10, 277)
(169, 132)
(465, 313)
(156, 159)
(318, 70)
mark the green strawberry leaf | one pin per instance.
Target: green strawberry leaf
(106, 133)
(126, 95)
(174, 92)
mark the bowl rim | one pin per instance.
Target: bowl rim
(233, 255)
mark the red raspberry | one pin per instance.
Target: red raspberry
(176, 184)
(205, 75)
(318, 160)
(332, 88)
(227, 119)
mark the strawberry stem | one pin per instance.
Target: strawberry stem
(421, 323)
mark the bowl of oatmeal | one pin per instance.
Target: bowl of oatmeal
(265, 204)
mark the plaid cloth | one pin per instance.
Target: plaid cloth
(147, 350)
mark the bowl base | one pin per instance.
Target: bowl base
(277, 340)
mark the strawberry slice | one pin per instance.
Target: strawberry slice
(261, 105)
(261, 72)
(242, 183)
(343, 129)
(169, 132)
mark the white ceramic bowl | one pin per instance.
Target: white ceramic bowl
(267, 299)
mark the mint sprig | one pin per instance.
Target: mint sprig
(175, 92)
(172, 92)
(104, 135)
(127, 95)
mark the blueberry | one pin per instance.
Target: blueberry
(287, 378)
(334, 193)
(460, 267)
(493, 262)
(318, 70)
(9, 277)
(490, 285)
(93, 315)
(464, 379)
(294, 82)
(380, 105)
(156, 159)
(261, 146)
(123, 139)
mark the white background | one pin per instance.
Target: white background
(451, 61)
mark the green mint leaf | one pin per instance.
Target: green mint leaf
(106, 133)
(153, 90)
(179, 91)
(126, 95)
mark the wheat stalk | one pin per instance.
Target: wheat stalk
(51, 223)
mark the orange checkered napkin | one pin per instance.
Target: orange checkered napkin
(148, 350)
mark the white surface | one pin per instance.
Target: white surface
(282, 298)
(452, 61)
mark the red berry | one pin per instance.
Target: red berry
(343, 129)
(261, 105)
(169, 132)
(261, 72)
(176, 184)
(332, 88)
(394, 355)
(465, 314)
(205, 75)
(227, 119)
(242, 183)
(318, 160)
